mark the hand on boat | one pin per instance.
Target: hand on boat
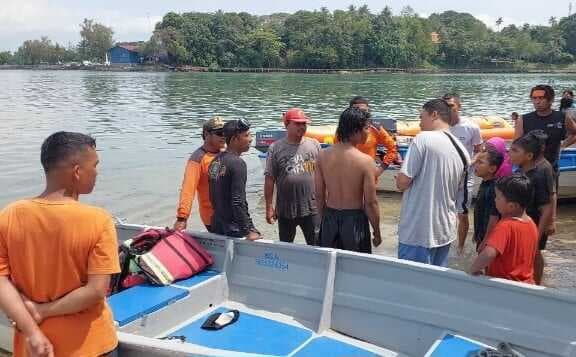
(38, 345)
(180, 225)
(460, 249)
(271, 215)
(253, 236)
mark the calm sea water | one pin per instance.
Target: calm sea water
(146, 124)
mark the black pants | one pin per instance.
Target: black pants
(308, 225)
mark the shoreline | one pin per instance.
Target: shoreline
(195, 69)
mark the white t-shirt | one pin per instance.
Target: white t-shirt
(428, 214)
(469, 135)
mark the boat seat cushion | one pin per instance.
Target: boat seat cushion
(455, 346)
(325, 346)
(196, 279)
(250, 334)
(133, 303)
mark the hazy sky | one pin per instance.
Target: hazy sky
(134, 20)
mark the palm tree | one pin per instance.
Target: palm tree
(499, 23)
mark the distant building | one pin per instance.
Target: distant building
(435, 37)
(126, 53)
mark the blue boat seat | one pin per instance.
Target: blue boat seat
(326, 346)
(455, 346)
(196, 279)
(133, 303)
(250, 334)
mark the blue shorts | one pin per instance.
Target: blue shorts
(433, 256)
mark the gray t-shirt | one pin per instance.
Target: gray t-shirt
(428, 214)
(293, 166)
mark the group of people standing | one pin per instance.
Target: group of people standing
(57, 255)
(331, 193)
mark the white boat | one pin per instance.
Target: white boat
(566, 189)
(297, 300)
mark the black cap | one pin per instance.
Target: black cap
(233, 127)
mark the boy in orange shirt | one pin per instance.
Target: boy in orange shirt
(56, 258)
(511, 246)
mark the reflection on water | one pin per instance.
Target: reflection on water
(146, 124)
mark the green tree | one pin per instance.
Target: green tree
(96, 40)
(5, 57)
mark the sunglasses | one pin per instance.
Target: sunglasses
(217, 132)
(242, 124)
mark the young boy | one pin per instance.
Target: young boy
(485, 213)
(525, 153)
(511, 246)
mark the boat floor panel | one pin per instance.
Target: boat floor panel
(250, 334)
(455, 346)
(326, 346)
(141, 300)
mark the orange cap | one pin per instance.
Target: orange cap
(296, 115)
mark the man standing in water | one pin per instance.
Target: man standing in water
(469, 135)
(430, 177)
(290, 166)
(227, 181)
(346, 188)
(56, 258)
(376, 137)
(196, 175)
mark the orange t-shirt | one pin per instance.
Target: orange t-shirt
(196, 179)
(516, 242)
(48, 249)
(379, 136)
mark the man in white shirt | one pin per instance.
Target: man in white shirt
(430, 176)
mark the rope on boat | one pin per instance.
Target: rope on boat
(504, 349)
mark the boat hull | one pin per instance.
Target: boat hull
(306, 301)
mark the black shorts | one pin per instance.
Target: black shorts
(347, 229)
(308, 225)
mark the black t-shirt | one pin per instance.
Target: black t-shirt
(543, 182)
(227, 181)
(484, 208)
(553, 125)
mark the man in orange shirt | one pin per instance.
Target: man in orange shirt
(376, 137)
(196, 175)
(56, 258)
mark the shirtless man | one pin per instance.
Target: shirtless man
(346, 188)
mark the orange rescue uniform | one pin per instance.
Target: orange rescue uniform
(196, 179)
(379, 136)
(48, 249)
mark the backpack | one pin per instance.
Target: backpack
(160, 256)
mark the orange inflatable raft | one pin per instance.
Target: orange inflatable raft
(490, 127)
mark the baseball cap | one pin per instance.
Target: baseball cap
(296, 115)
(234, 127)
(215, 123)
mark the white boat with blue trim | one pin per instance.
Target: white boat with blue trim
(299, 301)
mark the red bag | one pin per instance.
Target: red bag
(174, 256)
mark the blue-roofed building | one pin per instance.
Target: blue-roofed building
(126, 53)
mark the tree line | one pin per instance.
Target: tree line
(351, 38)
(95, 40)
